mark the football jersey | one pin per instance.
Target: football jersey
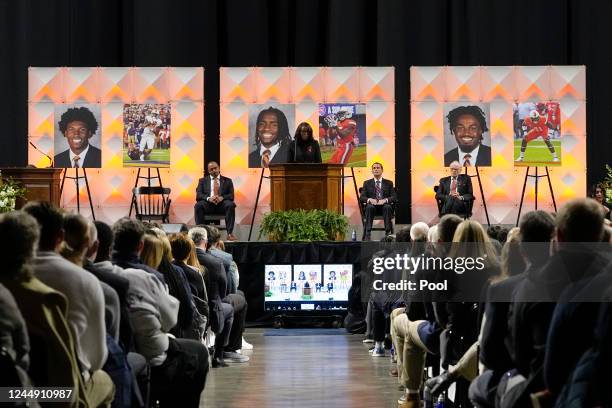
(538, 127)
(553, 115)
(345, 124)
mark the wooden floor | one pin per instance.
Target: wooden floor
(303, 371)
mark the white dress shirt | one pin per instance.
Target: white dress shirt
(273, 149)
(473, 156)
(81, 156)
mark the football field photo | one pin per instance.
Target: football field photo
(537, 153)
(358, 157)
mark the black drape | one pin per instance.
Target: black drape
(216, 33)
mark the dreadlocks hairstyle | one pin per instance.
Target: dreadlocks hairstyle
(283, 126)
(472, 110)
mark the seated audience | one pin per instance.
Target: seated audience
(85, 300)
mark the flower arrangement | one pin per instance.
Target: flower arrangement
(607, 184)
(10, 191)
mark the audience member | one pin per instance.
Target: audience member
(85, 300)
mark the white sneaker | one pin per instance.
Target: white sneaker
(520, 159)
(246, 345)
(367, 340)
(555, 159)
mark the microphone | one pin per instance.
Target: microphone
(41, 152)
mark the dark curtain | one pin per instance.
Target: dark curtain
(214, 33)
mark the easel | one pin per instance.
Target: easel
(356, 190)
(76, 179)
(484, 202)
(261, 177)
(537, 177)
(148, 177)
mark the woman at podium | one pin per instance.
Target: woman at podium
(304, 149)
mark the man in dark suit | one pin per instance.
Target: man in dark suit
(378, 195)
(272, 139)
(455, 191)
(78, 125)
(467, 124)
(215, 195)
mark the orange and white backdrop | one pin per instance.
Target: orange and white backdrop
(111, 88)
(501, 87)
(306, 88)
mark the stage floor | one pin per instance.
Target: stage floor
(304, 371)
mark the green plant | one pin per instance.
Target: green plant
(301, 225)
(607, 183)
(10, 191)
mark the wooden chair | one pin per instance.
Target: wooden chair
(215, 219)
(152, 203)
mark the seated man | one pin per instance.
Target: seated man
(378, 195)
(215, 195)
(455, 191)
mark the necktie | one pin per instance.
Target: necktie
(378, 190)
(216, 186)
(265, 158)
(466, 160)
(76, 161)
(454, 185)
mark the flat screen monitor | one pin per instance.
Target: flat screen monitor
(309, 287)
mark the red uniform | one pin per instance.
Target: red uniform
(535, 129)
(553, 114)
(344, 144)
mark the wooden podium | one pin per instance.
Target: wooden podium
(40, 184)
(307, 186)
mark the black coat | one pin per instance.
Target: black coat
(226, 188)
(484, 156)
(369, 190)
(308, 152)
(216, 288)
(92, 160)
(281, 156)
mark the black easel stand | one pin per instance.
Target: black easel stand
(257, 201)
(356, 189)
(536, 177)
(482, 197)
(76, 179)
(148, 177)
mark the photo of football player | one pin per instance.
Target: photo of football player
(467, 138)
(146, 135)
(539, 130)
(342, 135)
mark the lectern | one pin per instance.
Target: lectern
(40, 184)
(307, 186)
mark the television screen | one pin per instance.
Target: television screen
(307, 286)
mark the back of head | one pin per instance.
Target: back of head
(474, 241)
(19, 234)
(447, 226)
(181, 246)
(213, 234)
(403, 235)
(105, 241)
(128, 235)
(512, 262)
(432, 235)
(536, 227)
(419, 231)
(76, 237)
(51, 222)
(198, 235)
(580, 220)
(152, 251)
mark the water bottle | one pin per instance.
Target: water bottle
(354, 235)
(441, 401)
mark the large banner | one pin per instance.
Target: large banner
(501, 119)
(350, 109)
(114, 120)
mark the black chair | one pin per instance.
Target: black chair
(152, 203)
(362, 207)
(469, 204)
(215, 219)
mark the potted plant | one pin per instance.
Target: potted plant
(301, 225)
(10, 191)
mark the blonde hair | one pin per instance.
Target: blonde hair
(512, 261)
(192, 259)
(471, 232)
(159, 233)
(152, 251)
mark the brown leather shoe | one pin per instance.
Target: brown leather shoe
(231, 237)
(393, 372)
